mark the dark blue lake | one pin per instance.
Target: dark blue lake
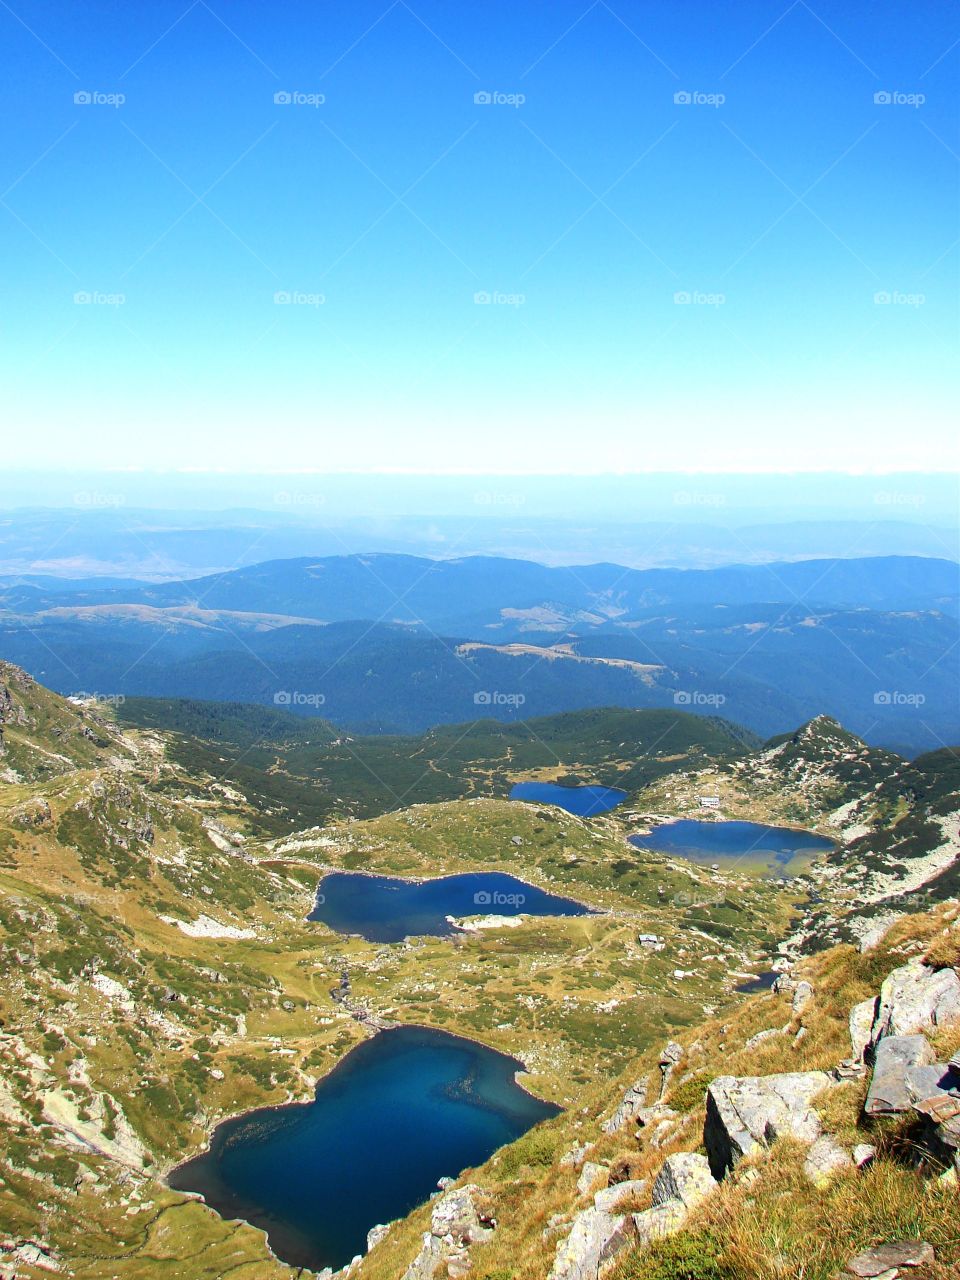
(775, 850)
(585, 802)
(400, 1111)
(382, 909)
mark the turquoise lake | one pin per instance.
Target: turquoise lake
(777, 850)
(399, 1112)
(383, 909)
(585, 802)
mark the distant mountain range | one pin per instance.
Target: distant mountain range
(387, 643)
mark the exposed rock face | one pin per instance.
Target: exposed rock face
(589, 1176)
(825, 1159)
(457, 1214)
(685, 1177)
(886, 1258)
(746, 1113)
(456, 1222)
(803, 997)
(916, 998)
(862, 1018)
(888, 1094)
(609, 1199)
(662, 1220)
(633, 1101)
(669, 1057)
(595, 1238)
(376, 1234)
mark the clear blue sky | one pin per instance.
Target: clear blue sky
(783, 212)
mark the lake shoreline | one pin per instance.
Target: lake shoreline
(294, 1100)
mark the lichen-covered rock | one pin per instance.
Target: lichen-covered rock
(633, 1101)
(888, 1258)
(916, 998)
(376, 1234)
(610, 1199)
(862, 1018)
(895, 1055)
(457, 1213)
(662, 1220)
(595, 1239)
(803, 997)
(685, 1177)
(825, 1159)
(589, 1176)
(748, 1112)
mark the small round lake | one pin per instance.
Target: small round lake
(772, 850)
(382, 909)
(585, 802)
(399, 1112)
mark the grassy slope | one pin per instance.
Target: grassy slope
(302, 771)
(765, 1224)
(95, 853)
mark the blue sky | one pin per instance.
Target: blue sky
(764, 277)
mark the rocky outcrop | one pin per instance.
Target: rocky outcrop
(595, 1239)
(633, 1101)
(747, 1113)
(916, 998)
(887, 1260)
(862, 1018)
(684, 1178)
(457, 1221)
(895, 1056)
(825, 1159)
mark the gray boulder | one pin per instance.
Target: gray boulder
(685, 1177)
(916, 998)
(595, 1238)
(456, 1214)
(803, 997)
(862, 1018)
(633, 1101)
(376, 1234)
(609, 1199)
(887, 1258)
(825, 1159)
(662, 1220)
(748, 1112)
(895, 1055)
(589, 1176)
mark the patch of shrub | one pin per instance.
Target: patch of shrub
(691, 1256)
